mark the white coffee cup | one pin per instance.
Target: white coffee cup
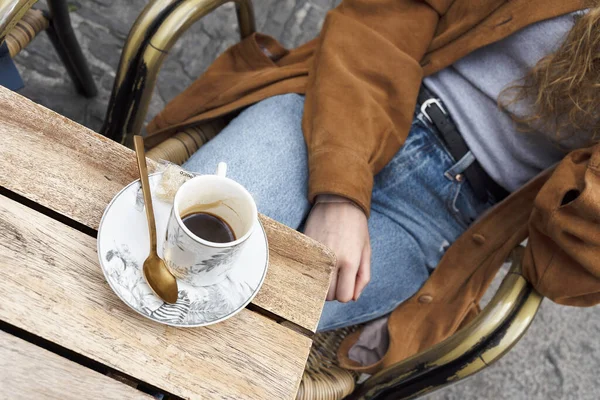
(193, 259)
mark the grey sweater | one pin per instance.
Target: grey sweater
(470, 90)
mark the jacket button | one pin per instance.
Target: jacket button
(479, 238)
(425, 299)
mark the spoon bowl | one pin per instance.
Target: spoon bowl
(160, 279)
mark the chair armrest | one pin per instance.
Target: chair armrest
(179, 148)
(11, 11)
(159, 26)
(484, 340)
(26, 29)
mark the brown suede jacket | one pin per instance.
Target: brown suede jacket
(361, 77)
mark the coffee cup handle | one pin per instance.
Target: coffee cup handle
(221, 169)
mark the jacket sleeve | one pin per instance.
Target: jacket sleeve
(362, 90)
(562, 258)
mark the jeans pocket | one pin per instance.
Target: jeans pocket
(461, 200)
(462, 203)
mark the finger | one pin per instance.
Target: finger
(346, 281)
(332, 286)
(364, 272)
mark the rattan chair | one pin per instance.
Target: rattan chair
(19, 25)
(484, 340)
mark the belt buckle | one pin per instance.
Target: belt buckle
(428, 103)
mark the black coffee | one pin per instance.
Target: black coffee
(209, 227)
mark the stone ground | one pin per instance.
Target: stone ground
(559, 357)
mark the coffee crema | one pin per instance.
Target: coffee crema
(208, 226)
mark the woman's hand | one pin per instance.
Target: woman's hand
(342, 226)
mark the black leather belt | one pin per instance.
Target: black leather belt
(433, 109)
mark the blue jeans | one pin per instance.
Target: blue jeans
(418, 207)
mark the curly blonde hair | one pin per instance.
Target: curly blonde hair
(562, 89)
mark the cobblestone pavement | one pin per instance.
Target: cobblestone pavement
(559, 358)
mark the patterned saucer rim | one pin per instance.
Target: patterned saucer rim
(230, 314)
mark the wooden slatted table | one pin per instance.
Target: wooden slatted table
(56, 178)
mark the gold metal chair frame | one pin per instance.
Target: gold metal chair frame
(153, 34)
(483, 341)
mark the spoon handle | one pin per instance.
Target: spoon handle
(140, 153)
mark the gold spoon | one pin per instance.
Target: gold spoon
(160, 279)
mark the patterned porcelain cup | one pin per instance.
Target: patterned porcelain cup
(197, 261)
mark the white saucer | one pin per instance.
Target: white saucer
(123, 245)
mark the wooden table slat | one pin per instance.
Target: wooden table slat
(65, 167)
(53, 287)
(30, 372)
